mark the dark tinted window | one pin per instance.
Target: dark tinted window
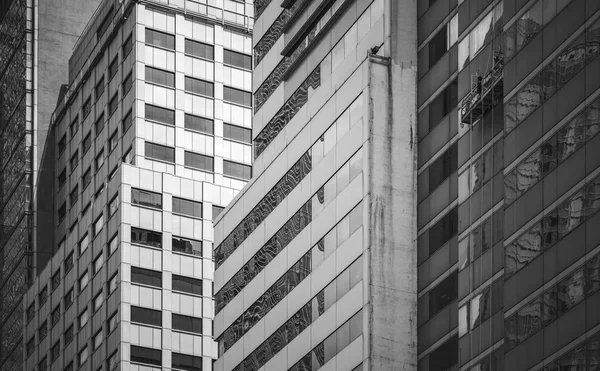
(146, 277)
(113, 104)
(87, 107)
(99, 88)
(99, 124)
(146, 198)
(113, 68)
(236, 170)
(199, 87)
(127, 46)
(187, 284)
(62, 178)
(187, 246)
(156, 76)
(160, 39)
(146, 355)
(62, 144)
(186, 323)
(186, 362)
(216, 210)
(199, 124)
(445, 356)
(105, 23)
(443, 104)
(443, 230)
(87, 143)
(200, 50)
(187, 207)
(438, 46)
(443, 167)
(127, 121)
(158, 152)
(146, 316)
(237, 96)
(443, 294)
(127, 83)
(160, 114)
(237, 133)
(145, 237)
(201, 162)
(237, 59)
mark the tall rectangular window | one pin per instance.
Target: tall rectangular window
(237, 133)
(87, 107)
(159, 152)
(199, 87)
(113, 104)
(127, 84)
(443, 294)
(113, 67)
(99, 88)
(146, 237)
(74, 126)
(443, 167)
(160, 77)
(443, 104)
(62, 144)
(160, 114)
(127, 121)
(99, 124)
(160, 39)
(74, 160)
(198, 123)
(87, 143)
(127, 46)
(236, 170)
(443, 230)
(200, 50)
(86, 179)
(237, 96)
(200, 162)
(105, 24)
(237, 59)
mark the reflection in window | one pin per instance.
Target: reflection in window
(146, 277)
(198, 161)
(187, 246)
(488, 28)
(159, 152)
(160, 39)
(198, 123)
(147, 356)
(236, 170)
(146, 198)
(146, 237)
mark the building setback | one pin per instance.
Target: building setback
(316, 257)
(151, 138)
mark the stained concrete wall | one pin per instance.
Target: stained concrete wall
(392, 342)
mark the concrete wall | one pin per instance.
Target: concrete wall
(392, 163)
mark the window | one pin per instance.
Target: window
(200, 124)
(98, 262)
(186, 323)
(74, 195)
(113, 283)
(159, 114)
(127, 46)
(186, 362)
(43, 365)
(83, 318)
(98, 224)
(443, 294)
(443, 230)
(43, 295)
(127, 121)
(105, 24)
(62, 212)
(114, 140)
(443, 104)
(87, 107)
(83, 244)
(30, 346)
(74, 160)
(200, 50)
(233, 169)
(237, 133)
(146, 277)
(69, 298)
(113, 205)
(99, 88)
(146, 316)
(187, 207)
(83, 281)
(56, 280)
(443, 167)
(199, 87)
(98, 340)
(69, 262)
(443, 41)
(127, 84)
(146, 198)
(200, 162)
(159, 152)
(62, 144)
(86, 179)
(216, 210)
(237, 96)
(113, 244)
(113, 68)
(87, 141)
(237, 59)
(146, 237)
(113, 360)
(187, 284)
(445, 356)
(74, 126)
(55, 351)
(113, 104)
(83, 355)
(42, 331)
(160, 39)
(112, 322)
(55, 316)
(187, 246)
(62, 178)
(145, 355)
(128, 157)
(68, 335)
(69, 367)
(160, 77)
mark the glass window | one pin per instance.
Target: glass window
(198, 161)
(68, 335)
(86, 179)
(87, 142)
(87, 107)
(443, 104)
(113, 360)
(127, 46)
(146, 316)
(216, 210)
(187, 207)
(159, 152)
(187, 246)
(237, 59)
(438, 46)
(146, 277)
(113, 68)
(444, 357)
(99, 88)
(146, 198)
(83, 318)
(62, 144)
(146, 355)
(114, 140)
(200, 124)
(160, 39)
(112, 322)
(187, 284)
(236, 170)
(100, 159)
(113, 244)
(62, 211)
(127, 121)
(146, 237)
(98, 224)
(74, 127)
(160, 77)
(443, 167)
(56, 280)
(98, 340)
(113, 104)
(200, 50)
(69, 262)
(186, 362)
(199, 87)
(83, 355)
(127, 83)
(443, 230)
(83, 244)
(237, 133)
(113, 283)
(443, 294)
(237, 96)
(186, 323)
(74, 196)
(55, 351)
(74, 160)
(62, 178)
(113, 206)
(160, 114)
(98, 300)
(83, 281)
(571, 291)
(106, 22)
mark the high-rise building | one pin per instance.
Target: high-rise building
(36, 39)
(150, 139)
(316, 257)
(482, 254)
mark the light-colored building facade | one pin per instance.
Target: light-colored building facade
(150, 140)
(316, 257)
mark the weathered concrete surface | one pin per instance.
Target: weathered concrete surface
(392, 237)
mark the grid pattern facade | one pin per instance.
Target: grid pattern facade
(149, 150)
(507, 189)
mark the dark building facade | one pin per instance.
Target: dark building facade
(508, 185)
